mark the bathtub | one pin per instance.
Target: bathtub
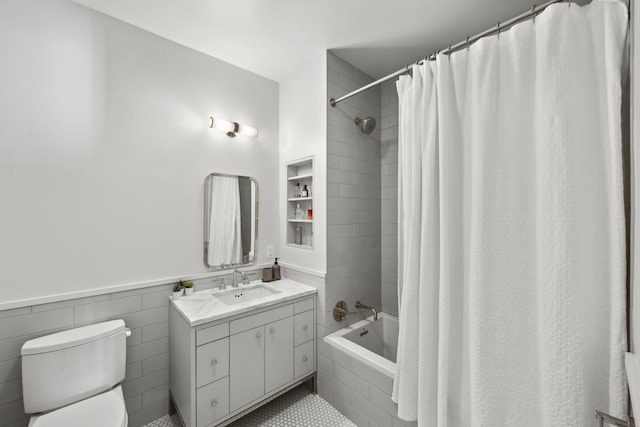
(375, 343)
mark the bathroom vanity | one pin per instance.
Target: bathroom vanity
(233, 350)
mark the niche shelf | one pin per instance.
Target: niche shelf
(299, 175)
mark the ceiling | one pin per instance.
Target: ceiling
(272, 38)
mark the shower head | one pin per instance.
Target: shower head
(366, 125)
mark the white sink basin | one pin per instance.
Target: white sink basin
(245, 294)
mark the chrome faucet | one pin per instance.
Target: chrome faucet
(245, 281)
(221, 285)
(361, 305)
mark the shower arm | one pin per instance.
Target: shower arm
(535, 10)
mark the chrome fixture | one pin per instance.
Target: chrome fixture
(535, 10)
(341, 312)
(367, 307)
(232, 128)
(245, 281)
(221, 285)
(366, 125)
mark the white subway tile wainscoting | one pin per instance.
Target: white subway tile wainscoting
(145, 311)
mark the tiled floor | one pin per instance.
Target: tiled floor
(297, 408)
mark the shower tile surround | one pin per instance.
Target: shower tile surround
(353, 194)
(144, 310)
(362, 243)
(389, 196)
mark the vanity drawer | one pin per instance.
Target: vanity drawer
(213, 333)
(303, 306)
(303, 359)
(260, 319)
(303, 327)
(212, 361)
(212, 402)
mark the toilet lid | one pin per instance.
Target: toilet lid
(104, 410)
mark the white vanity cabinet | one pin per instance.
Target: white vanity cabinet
(225, 368)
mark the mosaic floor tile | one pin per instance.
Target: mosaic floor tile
(297, 408)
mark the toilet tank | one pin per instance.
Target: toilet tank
(65, 367)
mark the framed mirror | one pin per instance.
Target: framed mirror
(230, 220)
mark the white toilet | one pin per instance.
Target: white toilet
(72, 378)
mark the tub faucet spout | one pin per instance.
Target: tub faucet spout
(367, 307)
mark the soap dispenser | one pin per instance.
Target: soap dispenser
(275, 268)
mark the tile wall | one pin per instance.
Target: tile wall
(389, 196)
(315, 282)
(145, 311)
(353, 194)
(362, 247)
(358, 391)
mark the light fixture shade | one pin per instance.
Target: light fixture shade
(223, 125)
(232, 128)
(247, 130)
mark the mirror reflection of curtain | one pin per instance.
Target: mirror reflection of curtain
(246, 201)
(225, 237)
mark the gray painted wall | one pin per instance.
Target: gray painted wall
(104, 148)
(105, 145)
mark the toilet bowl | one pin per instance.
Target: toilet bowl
(104, 410)
(72, 378)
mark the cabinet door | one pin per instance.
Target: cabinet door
(246, 373)
(278, 355)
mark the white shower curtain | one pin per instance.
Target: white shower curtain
(225, 230)
(512, 234)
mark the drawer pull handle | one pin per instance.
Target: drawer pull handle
(304, 359)
(272, 330)
(214, 362)
(258, 335)
(305, 327)
(214, 403)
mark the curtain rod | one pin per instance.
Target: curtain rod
(467, 42)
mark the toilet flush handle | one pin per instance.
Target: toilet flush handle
(127, 332)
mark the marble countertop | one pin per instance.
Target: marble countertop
(202, 306)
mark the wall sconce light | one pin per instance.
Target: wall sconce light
(232, 128)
